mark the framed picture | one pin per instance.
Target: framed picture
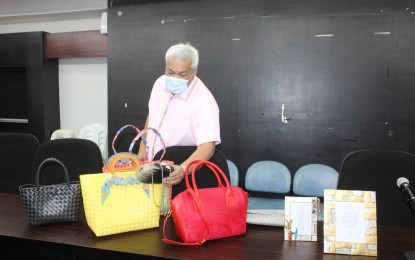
(350, 225)
(301, 218)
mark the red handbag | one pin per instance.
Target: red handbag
(210, 213)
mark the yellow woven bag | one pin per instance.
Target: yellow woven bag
(117, 202)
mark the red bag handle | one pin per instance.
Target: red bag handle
(197, 164)
(195, 194)
(169, 241)
(214, 168)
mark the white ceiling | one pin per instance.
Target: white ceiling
(12, 8)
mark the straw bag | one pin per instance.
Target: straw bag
(117, 202)
(46, 204)
(200, 215)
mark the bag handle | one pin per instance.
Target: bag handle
(198, 163)
(141, 134)
(169, 241)
(114, 180)
(114, 160)
(119, 131)
(50, 160)
(195, 195)
(230, 198)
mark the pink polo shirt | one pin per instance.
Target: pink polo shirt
(191, 118)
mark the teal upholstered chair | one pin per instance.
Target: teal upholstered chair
(233, 173)
(269, 178)
(310, 181)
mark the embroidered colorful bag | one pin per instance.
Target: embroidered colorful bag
(124, 163)
(116, 202)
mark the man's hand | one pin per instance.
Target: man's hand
(175, 177)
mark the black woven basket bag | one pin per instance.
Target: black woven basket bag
(55, 203)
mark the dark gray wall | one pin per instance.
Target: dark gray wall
(352, 91)
(37, 83)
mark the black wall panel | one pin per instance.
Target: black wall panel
(344, 71)
(25, 73)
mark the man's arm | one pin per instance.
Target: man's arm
(204, 151)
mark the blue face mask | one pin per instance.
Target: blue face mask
(175, 85)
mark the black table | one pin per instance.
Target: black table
(18, 239)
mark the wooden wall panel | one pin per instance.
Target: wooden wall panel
(75, 44)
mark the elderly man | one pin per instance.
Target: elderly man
(184, 112)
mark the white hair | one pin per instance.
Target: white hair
(183, 51)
